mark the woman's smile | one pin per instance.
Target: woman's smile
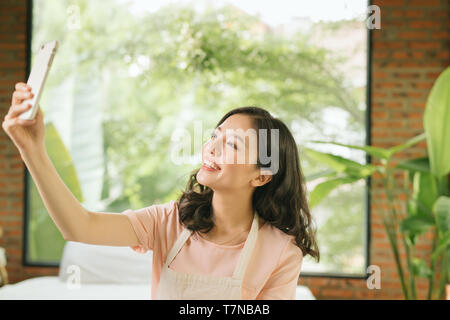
(204, 166)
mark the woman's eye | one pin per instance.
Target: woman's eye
(232, 144)
(229, 143)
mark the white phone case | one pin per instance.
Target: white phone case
(38, 75)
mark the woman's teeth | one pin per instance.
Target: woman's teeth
(210, 165)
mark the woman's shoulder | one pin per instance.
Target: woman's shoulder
(167, 223)
(168, 211)
(280, 241)
(162, 210)
(162, 215)
(168, 207)
(274, 233)
(273, 247)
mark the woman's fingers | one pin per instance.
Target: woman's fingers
(22, 86)
(22, 89)
(19, 96)
(16, 110)
(23, 122)
(9, 123)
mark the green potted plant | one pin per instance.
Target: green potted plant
(427, 205)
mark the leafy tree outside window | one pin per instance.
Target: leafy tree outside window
(124, 79)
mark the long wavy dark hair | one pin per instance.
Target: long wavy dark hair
(280, 202)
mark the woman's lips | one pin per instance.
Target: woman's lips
(208, 168)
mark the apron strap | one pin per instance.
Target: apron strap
(178, 245)
(246, 252)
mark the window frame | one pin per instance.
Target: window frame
(367, 215)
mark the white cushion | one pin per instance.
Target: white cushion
(54, 289)
(105, 264)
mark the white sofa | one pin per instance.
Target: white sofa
(95, 272)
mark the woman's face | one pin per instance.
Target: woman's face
(234, 151)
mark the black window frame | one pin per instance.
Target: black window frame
(27, 263)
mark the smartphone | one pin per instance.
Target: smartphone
(37, 77)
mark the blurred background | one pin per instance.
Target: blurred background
(129, 74)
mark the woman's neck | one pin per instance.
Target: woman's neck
(233, 214)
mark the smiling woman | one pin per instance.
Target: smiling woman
(256, 220)
(237, 188)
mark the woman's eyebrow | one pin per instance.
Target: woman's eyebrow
(234, 134)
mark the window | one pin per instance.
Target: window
(128, 74)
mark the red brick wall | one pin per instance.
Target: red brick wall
(408, 53)
(13, 47)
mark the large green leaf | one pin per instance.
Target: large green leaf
(324, 188)
(442, 211)
(416, 225)
(373, 151)
(378, 152)
(320, 174)
(415, 165)
(420, 268)
(341, 164)
(407, 144)
(436, 122)
(424, 192)
(420, 205)
(443, 244)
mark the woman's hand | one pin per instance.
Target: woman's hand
(27, 135)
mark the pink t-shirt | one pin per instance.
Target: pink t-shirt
(272, 272)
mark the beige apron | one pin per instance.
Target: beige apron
(174, 285)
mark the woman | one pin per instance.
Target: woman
(239, 231)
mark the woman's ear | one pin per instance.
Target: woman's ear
(264, 177)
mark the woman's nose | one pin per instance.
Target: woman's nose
(214, 148)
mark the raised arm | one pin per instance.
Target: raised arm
(72, 219)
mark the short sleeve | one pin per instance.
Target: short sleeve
(282, 283)
(147, 223)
